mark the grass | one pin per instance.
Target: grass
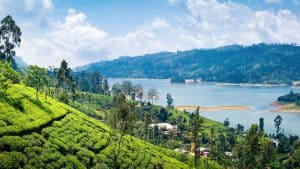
(50, 134)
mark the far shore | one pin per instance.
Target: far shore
(211, 109)
(287, 108)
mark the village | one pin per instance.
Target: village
(169, 129)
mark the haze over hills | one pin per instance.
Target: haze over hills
(261, 63)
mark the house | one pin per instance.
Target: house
(202, 151)
(165, 126)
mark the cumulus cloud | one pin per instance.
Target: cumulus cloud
(225, 23)
(66, 40)
(207, 24)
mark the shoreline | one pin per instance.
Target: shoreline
(211, 109)
(213, 83)
(286, 108)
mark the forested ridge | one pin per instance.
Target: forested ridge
(261, 63)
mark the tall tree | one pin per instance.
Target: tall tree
(163, 115)
(64, 76)
(195, 127)
(116, 89)
(127, 87)
(152, 95)
(169, 101)
(139, 92)
(226, 122)
(10, 37)
(95, 82)
(106, 87)
(261, 124)
(36, 77)
(123, 119)
(277, 121)
(147, 121)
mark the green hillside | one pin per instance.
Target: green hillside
(50, 134)
(261, 63)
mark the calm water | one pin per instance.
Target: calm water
(258, 98)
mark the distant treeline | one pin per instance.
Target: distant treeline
(261, 63)
(290, 98)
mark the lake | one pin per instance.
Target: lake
(258, 98)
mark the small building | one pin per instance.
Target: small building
(165, 126)
(228, 153)
(202, 151)
(275, 141)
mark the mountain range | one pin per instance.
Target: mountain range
(259, 63)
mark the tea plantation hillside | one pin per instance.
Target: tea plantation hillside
(50, 134)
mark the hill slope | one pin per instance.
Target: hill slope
(236, 64)
(50, 134)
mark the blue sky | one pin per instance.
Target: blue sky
(84, 31)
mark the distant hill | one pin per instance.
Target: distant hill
(21, 64)
(261, 63)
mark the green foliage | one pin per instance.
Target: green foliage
(92, 82)
(10, 160)
(169, 101)
(64, 77)
(10, 36)
(256, 150)
(36, 77)
(7, 73)
(277, 122)
(63, 97)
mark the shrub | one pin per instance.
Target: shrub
(63, 98)
(10, 160)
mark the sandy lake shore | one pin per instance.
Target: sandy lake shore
(288, 108)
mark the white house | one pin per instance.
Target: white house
(165, 126)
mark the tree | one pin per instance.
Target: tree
(106, 87)
(240, 128)
(10, 36)
(127, 87)
(139, 92)
(9, 73)
(266, 154)
(261, 124)
(195, 126)
(226, 122)
(116, 89)
(169, 101)
(147, 121)
(221, 143)
(36, 77)
(163, 115)
(123, 120)
(277, 121)
(64, 77)
(152, 94)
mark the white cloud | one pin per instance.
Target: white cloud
(219, 24)
(65, 41)
(207, 23)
